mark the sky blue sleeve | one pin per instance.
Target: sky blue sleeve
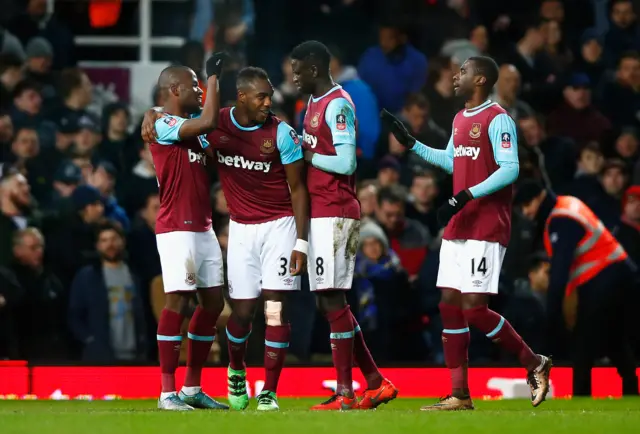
(341, 118)
(343, 163)
(167, 128)
(442, 158)
(504, 140)
(288, 144)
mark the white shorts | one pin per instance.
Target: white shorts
(470, 266)
(333, 244)
(258, 257)
(190, 260)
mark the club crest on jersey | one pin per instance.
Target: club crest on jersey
(224, 139)
(294, 137)
(267, 146)
(506, 140)
(191, 279)
(341, 122)
(170, 121)
(476, 130)
(315, 120)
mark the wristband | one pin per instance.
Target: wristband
(302, 246)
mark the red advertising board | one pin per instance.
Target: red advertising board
(143, 382)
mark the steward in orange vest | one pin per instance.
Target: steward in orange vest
(590, 282)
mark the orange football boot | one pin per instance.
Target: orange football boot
(338, 402)
(372, 398)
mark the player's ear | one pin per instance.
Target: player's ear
(174, 89)
(481, 80)
(314, 71)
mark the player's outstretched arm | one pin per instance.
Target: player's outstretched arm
(289, 145)
(438, 157)
(504, 141)
(208, 119)
(341, 119)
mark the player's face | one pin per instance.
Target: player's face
(190, 93)
(257, 100)
(465, 81)
(304, 76)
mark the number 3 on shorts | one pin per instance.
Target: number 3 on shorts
(481, 266)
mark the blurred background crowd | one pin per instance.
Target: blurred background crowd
(80, 276)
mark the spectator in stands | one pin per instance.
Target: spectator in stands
(407, 237)
(614, 181)
(71, 244)
(105, 308)
(589, 165)
(66, 179)
(627, 146)
(15, 203)
(364, 101)
(38, 66)
(555, 156)
(591, 60)
(103, 179)
(40, 316)
(11, 73)
(368, 198)
(421, 205)
(117, 146)
(534, 65)
(507, 93)
(624, 33)
(576, 117)
(25, 147)
(389, 170)
(439, 91)
(36, 21)
(27, 104)
(379, 283)
(9, 44)
(393, 69)
(620, 98)
(75, 91)
(555, 47)
(134, 187)
(628, 230)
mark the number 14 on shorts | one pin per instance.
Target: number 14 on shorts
(479, 266)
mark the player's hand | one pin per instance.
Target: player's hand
(148, 130)
(214, 64)
(398, 129)
(308, 156)
(297, 263)
(453, 205)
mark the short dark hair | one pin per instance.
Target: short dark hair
(391, 194)
(314, 52)
(9, 61)
(615, 2)
(24, 86)
(109, 225)
(70, 79)
(590, 147)
(250, 74)
(488, 68)
(631, 54)
(417, 99)
(536, 260)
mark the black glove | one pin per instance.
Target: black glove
(451, 208)
(398, 129)
(214, 64)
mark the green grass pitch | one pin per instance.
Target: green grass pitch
(581, 416)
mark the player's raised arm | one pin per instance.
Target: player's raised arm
(504, 140)
(292, 159)
(438, 157)
(341, 118)
(182, 118)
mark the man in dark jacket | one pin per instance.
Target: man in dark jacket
(105, 309)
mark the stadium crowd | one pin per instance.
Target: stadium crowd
(78, 186)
